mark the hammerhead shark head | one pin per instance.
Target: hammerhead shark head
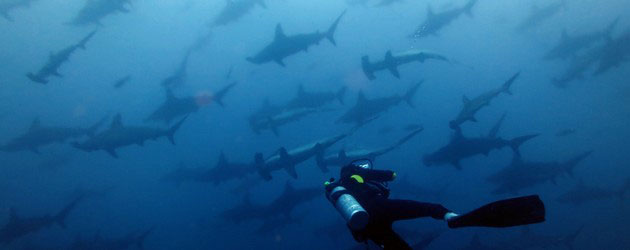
(119, 135)
(51, 68)
(18, 227)
(392, 61)
(436, 21)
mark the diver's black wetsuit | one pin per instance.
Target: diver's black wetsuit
(369, 191)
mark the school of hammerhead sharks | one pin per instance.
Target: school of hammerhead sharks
(592, 53)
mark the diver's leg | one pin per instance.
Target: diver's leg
(408, 209)
(393, 241)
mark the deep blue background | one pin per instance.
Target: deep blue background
(150, 41)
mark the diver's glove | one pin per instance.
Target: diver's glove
(449, 216)
(330, 185)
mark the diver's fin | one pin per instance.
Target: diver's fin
(504, 213)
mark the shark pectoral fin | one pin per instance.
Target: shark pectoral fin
(274, 129)
(34, 150)
(291, 171)
(279, 34)
(465, 100)
(280, 62)
(394, 71)
(457, 165)
(112, 152)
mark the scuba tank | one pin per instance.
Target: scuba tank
(349, 208)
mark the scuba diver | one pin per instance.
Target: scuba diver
(361, 196)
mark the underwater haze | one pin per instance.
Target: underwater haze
(192, 124)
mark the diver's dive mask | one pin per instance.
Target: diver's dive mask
(362, 163)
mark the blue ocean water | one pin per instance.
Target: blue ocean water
(572, 91)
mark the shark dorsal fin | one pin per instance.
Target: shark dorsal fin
(465, 100)
(389, 56)
(279, 32)
(284, 155)
(35, 124)
(361, 98)
(117, 122)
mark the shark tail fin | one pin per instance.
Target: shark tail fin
(508, 83)
(330, 34)
(170, 133)
(340, 95)
(469, 6)
(518, 141)
(259, 162)
(408, 97)
(143, 236)
(367, 68)
(218, 98)
(573, 162)
(60, 217)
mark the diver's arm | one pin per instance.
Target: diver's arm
(377, 175)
